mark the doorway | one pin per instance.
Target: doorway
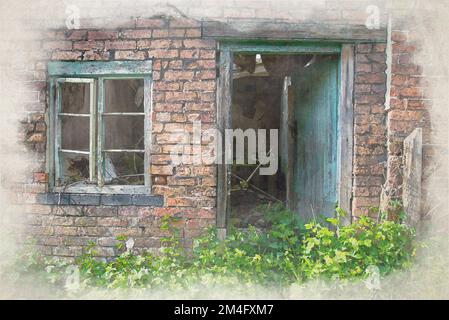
(301, 91)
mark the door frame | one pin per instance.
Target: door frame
(345, 113)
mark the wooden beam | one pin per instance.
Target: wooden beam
(268, 30)
(99, 68)
(280, 47)
(345, 129)
(224, 100)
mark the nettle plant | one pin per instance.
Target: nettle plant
(287, 251)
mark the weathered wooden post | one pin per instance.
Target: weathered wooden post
(412, 172)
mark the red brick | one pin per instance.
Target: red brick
(411, 92)
(176, 33)
(399, 36)
(205, 74)
(96, 55)
(200, 64)
(136, 34)
(171, 75)
(207, 54)
(199, 106)
(175, 64)
(88, 45)
(180, 96)
(66, 55)
(160, 159)
(180, 202)
(193, 33)
(403, 48)
(363, 67)
(405, 115)
(163, 53)
(200, 86)
(166, 86)
(163, 33)
(371, 78)
(40, 177)
(165, 170)
(168, 107)
(184, 23)
(102, 35)
(172, 138)
(366, 202)
(166, 44)
(189, 53)
(120, 44)
(199, 43)
(174, 127)
(130, 55)
(181, 181)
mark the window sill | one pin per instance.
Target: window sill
(92, 199)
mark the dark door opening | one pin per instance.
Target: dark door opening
(298, 96)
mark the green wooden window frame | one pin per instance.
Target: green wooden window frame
(94, 74)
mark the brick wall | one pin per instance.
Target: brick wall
(369, 126)
(184, 89)
(184, 67)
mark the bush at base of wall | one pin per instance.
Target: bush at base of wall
(286, 252)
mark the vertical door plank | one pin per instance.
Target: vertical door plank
(224, 101)
(346, 129)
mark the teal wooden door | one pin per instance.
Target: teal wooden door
(315, 168)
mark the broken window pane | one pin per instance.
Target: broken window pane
(74, 167)
(75, 97)
(124, 132)
(124, 95)
(75, 133)
(124, 168)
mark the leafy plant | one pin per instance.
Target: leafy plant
(287, 252)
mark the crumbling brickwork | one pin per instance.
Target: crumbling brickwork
(184, 89)
(184, 67)
(369, 126)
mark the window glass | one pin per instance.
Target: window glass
(124, 95)
(74, 133)
(75, 97)
(124, 132)
(124, 168)
(74, 167)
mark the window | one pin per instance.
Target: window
(99, 133)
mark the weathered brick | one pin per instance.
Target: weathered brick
(172, 75)
(88, 45)
(199, 86)
(180, 202)
(136, 34)
(102, 35)
(180, 96)
(96, 55)
(199, 43)
(130, 55)
(162, 170)
(66, 55)
(120, 45)
(172, 138)
(163, 53)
